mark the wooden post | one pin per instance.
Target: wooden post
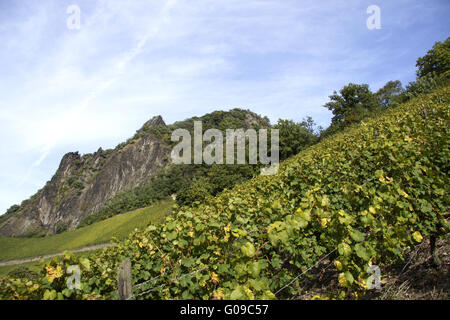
(124, 279)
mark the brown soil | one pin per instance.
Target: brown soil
(415, 278)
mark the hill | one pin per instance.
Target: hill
(109, 182)
(361, 197)
(98, 233)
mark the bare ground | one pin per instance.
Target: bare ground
(415, 278)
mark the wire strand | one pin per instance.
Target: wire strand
(164, 284)
(321, 259)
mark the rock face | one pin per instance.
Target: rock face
(82, 184)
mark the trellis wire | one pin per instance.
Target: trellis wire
(306, 271)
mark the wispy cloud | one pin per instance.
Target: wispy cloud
(65, 90)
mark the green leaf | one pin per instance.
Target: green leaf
(258, 285)
(325, 201)
(238, 294)
(378, 173)
(67, 292)
(187, 262)
(348, 277)
(426, 207)
(357, 235)
(283, 236)
(362, 252)
(248, 249)
(223, 269)
(238, 233)
(276, 226)
(85, 263)
(49, 295)
(303, 217)
(268, 295)
(172, 235)
(344, 249)
(254, 269)
(240, 269)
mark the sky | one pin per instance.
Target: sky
(65, 89)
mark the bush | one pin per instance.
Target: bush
(23, 272)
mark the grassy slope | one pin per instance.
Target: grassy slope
(344, 168)
(36, 266)
(403, 145)
(101, 232)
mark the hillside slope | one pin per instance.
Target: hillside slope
(83, 185)
(98, 233)
(358, 198)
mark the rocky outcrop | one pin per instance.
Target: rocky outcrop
(82, 184)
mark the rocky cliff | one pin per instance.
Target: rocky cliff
(82, 184)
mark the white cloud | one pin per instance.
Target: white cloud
(65, 90)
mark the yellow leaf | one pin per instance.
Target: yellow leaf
(214, 278)
(304, 214)
(219, 294)
(325, 201)
(417, 236)
(249, 294)
(341, 279)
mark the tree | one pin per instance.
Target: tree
(294, 137)
(12, 209)
(198, 190)
(389, 92)
(352, 104)
(436, 61)
(433, 71)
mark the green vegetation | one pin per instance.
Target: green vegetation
(436, 62)
(365, 195)
(295, 137)
(356, 102)
(13, 209)
(221, 120)
(34, 267)
(375, 188)
(194, 183)
(102, 232)
(15, 271)
(351, 103)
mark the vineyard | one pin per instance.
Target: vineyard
(360, 197)
(98, 233)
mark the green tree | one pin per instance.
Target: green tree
(436, 61)
(389, 93)
(294, 137)
(353, 103)
(433, 71)
(13, 208)
(198, 190)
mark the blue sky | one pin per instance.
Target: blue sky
(68, 90)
